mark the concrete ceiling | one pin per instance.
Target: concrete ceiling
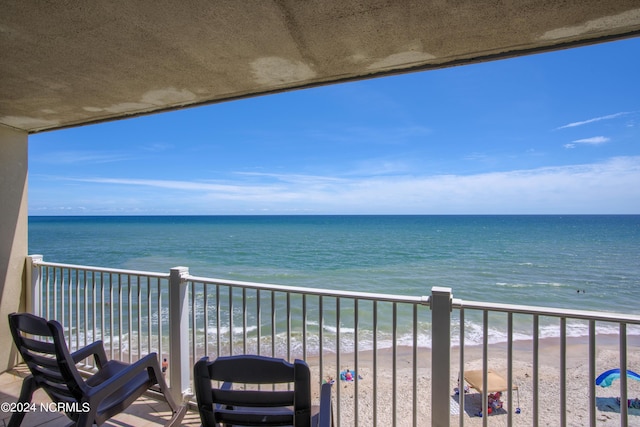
(67, 63)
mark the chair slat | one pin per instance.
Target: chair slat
(39, 346)
(38, 360)
(252, 370)
(244, 416)
(253, 398)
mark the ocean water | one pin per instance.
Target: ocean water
(589, 262)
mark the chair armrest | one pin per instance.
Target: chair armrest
(95, 349)
(106, 388)
(326, 412)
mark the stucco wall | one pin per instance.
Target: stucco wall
(13, 233)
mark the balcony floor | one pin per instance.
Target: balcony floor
(145, 412)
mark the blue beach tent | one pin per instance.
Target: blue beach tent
(606, 378)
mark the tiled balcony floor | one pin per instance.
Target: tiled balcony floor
(145, 412)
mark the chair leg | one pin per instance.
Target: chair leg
(26, 393)
(178, 411)
(85, 419)
(164, 388)
(178, 415)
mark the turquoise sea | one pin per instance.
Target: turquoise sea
(587, 262)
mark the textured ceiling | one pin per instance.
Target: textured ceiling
(66, 63)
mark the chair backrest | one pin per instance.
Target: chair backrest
(42, 345)
(241, 405)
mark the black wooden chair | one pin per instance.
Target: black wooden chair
(237, 403)
(114, 386)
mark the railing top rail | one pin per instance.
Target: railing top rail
(547, 311)
(424, 300)
(102, 269)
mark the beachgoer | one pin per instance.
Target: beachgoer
(349, 376)
(165, 365)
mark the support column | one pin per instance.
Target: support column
(441, 355)
(179, 366)
(13, 233)
(33, 285)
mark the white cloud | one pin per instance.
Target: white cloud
(597, 119)
(606, 187)
(78, 157)
(596, 140)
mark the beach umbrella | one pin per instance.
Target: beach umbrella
(606, 378)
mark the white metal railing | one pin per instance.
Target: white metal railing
(328, 328)
(534, 316)
(184, 317)
(126, 309)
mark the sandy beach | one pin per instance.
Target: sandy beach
(577, 389)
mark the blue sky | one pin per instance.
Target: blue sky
(554, 133)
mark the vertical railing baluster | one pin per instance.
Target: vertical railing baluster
(75, 274)
(320, 334)
(129, 318)
(244, 320)
(461, 384)
(394, 363)
(231, 321)
(205, 302)
(375, 363)
(259, 319)
(624, 406)
(149, 329)
(149, 304)
(68, 321)
(85, 322)
(485, 367)
(193, 321)
(44, 289)
(55, 295)
(102, 304)
(563, 371)
(273, 324)
(120, 316)
(510, 368)
(218, 317)
(415, 366)
(304, 326)
(592, 373)
(356, 396)
(159, 302)
(48, 293)
(338, 352)
(536, 376)
(139, 310)
(96, 282)
(60, 306)
(288, 326)
(111, 322)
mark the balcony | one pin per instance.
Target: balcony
(407, 352)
